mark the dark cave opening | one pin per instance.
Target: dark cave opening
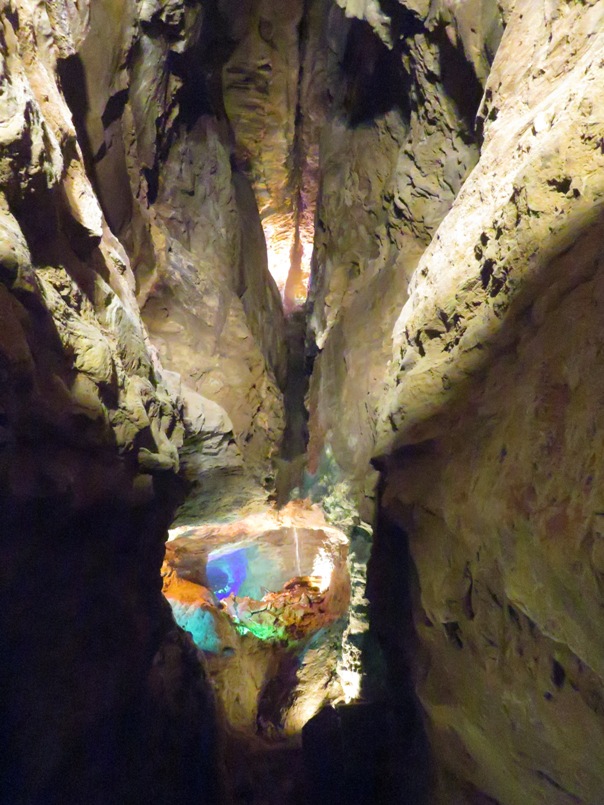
(392, 587)
(375, 750)
(377, 81)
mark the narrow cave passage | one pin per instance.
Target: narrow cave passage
(301, 402)
(276, 600)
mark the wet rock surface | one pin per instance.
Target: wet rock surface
(266, 599)
(271, 642)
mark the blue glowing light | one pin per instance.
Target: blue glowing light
(227, 573)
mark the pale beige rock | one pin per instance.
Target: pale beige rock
(492, 376)
(82, 201)
(371, 11)
(484, 404)
(193, 311)
(527, 184)
(504, 548)
(455, 313)
(260, 82)
(386, 185)
(188, 221)
(15, 259)
(100, 332)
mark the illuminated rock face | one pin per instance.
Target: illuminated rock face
(260, 82)
(398, 145)
(499, 490)
(101, 693)
(455, 155)
(265, 599)
(158, 144)
(117, 192)
(476, 385)
(275, 99)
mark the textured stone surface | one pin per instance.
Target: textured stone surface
(272, 675)
(159, 145)
(535, 190)
(491, 412)
(260, 82)
(194, 311)
(94, 673)
(275, 98)
(393, 157)
(455, 332)
(479, 379)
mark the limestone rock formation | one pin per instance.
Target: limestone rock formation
(261, 95)
(491, 405)
(447, 159)
(88, 471)
(159, 148)
(398, 147)
(101, 139)
(265, 598)
(275, 98)
(479, 387)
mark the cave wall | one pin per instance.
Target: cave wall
(260, 82)
(455, 317)
(399, 141)
(125, 189)
(507, 441)
(103, 698)
(161, 149)
(455, 334)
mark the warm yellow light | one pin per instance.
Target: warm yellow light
(351, 684)
(278, 251)
(290, 274)
(322, 569)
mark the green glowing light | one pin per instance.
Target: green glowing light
(263, 631)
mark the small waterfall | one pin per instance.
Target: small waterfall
(298, 572)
